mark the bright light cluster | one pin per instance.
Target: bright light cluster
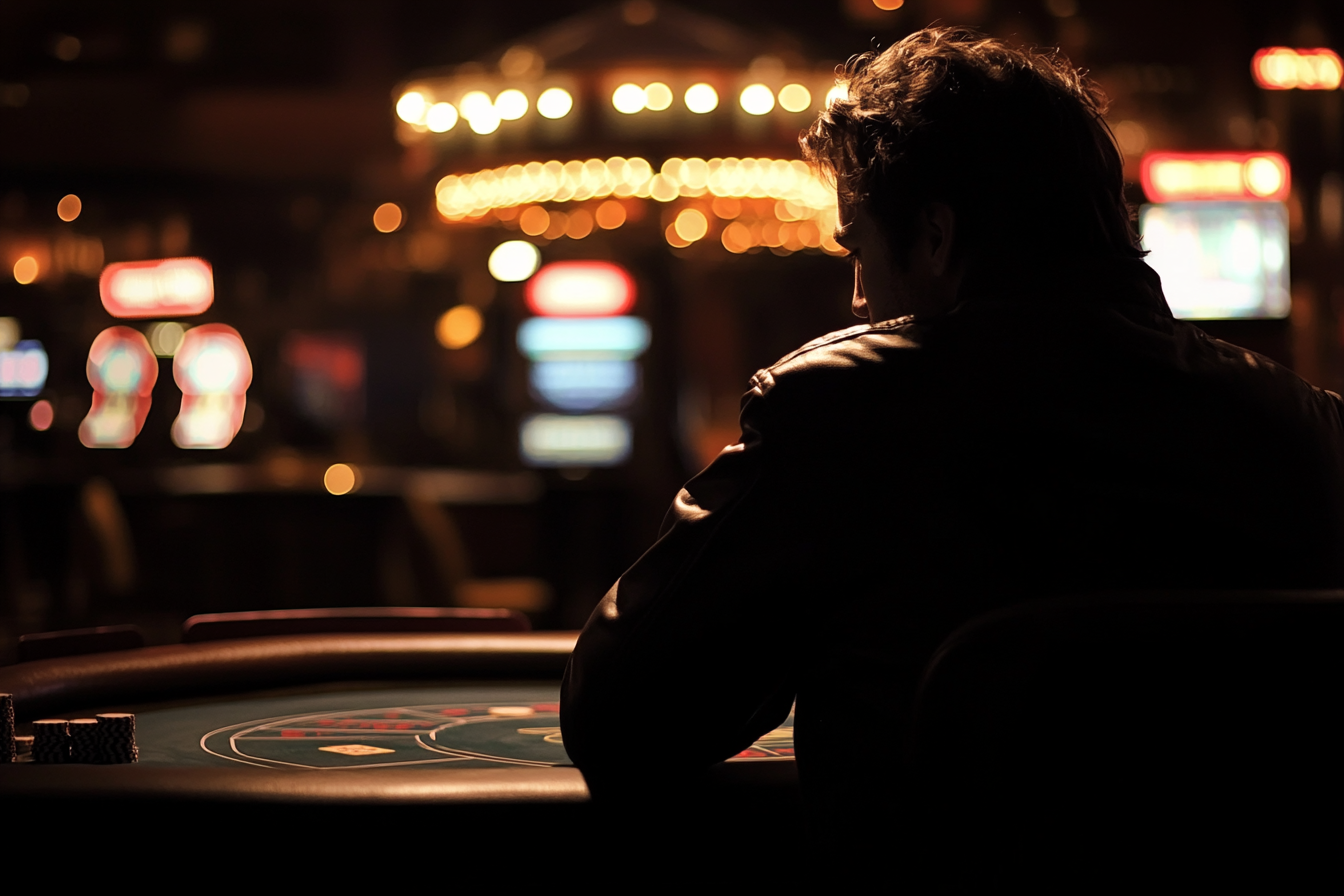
(1172, 177)
(165, 287)
(122, 370)
(472, 195)
(483, 115)
(1283, 68)
(213, 370)
(23, 370)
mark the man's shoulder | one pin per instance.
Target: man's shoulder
(844, 353)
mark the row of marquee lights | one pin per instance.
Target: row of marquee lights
(422, 111)
(1284, 68)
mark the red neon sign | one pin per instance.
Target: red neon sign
(168, 287)
(213, 370)
(581, 289)
(1212, 176)
(1283, 68)
(122, 370)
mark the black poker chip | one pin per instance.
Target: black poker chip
(115, 742)
(51, 741)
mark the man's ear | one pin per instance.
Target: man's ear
(939, 224)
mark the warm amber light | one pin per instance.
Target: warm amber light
(629, 98)
(1263, 176)
(69, 207)
(795, 98)
(459, 327)
(657, 96)
(514, 261)
(412, 106)
(340, 479)
(25, 270)
(888, 5)
(554, 102)
(1283, 68)
(511, 104)
(736, 238)
(691, 224)
(610, 215)
(534, 220)
(673, 238)
(387, 217)
(41, 415)
(838, 93)
(757, 99)
(701, 98)
(580, 225)
(441, 117)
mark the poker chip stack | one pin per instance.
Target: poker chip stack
(84, 740)
(116, 738)
(51, 741)
(8, 746)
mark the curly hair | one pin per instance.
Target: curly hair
(1013, 140)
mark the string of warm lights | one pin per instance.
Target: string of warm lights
(464, 196)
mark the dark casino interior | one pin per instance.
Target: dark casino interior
(399, 325)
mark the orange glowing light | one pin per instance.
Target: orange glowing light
(168, 287)
(610, 214)
(387, 217)
(581, 289)
(122, 370)
(341, 479)
(41, 415)
(26, 270)
(1283, 68)
(213, 370)
(1175, 177)
(69, 207)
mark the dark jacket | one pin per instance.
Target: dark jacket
(1062, 436)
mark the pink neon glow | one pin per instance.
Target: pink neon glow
(581, 289)
(168, 287)
(213, 370)
(1207, 176)
(122, 370)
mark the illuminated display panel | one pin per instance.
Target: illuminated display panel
(1184, 177)
(122, 369)
(576, 338)
(23, 370)
(1220, 260)
(1283, 68)
(168, 287)
(581, 289)
(557, 440)
(213, 370)
(585, 385)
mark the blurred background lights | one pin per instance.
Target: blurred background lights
(588, 385)
(341, 479)
(581, 289)
(557, 440)
(691, 224)
(176, 286)
(485, 121)
(459, 327)
(387, 217)
(1283, 68)
(69, 207)
(165, 337)
(554, 102)
(41, 415)
(25, 270)
(757, 99)
(213, 369)
(476, 103)
(514, 261)
(122, 370)
(629, 98)
(441, 117)
(23, 369)
(534, 220)
(795, 98)
(511, 104)
(412, 107)
(657, 96)
(610, 214)
(701, 98)
(9, 332)
(1263, 176)
(1171, 176)
(888, 5)
(583, 338)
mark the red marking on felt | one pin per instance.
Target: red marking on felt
(453, 711)
(546, 707)
(391, 715)
(381, 726)
(327, 723)
(290, 732)
(751, 754)
(788, 750)
(402, 726)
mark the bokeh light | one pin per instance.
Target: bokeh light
(888, 5)
(795, 98)
(554, 102)
(41, 415)
(69, 207)
(387, 217)
(757, 99)
(485, 121)
(168, 286)
(514, 261)
(534, 220)
(629, 98)
(691, 224)
(657, 96)
(459, 327)
(165, 337)
(474, 103)
(511, 104)
(340, 479)
(701, 98)
(610, 214)
(580, 224)
(582, 289)
(9, 332)
(214, 370)
(441, 117)
(1263, 176)
(25, 270)
(412, 107)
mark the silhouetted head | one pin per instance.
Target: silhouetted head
(1013, 141)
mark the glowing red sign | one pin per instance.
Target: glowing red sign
(169, 287)
(1283, 68)
(1178, 177)
(213, 370)
(581, 289)
(122, 370)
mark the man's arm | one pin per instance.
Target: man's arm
(699, 632)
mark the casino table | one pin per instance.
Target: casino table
(422, 732)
